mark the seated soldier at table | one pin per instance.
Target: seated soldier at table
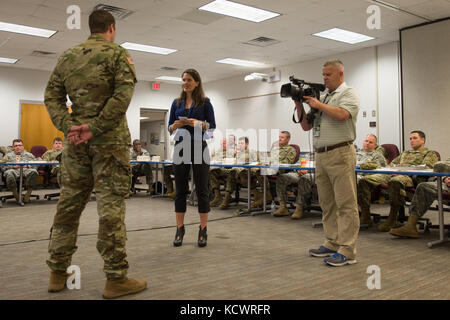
(141, 169)
(281, 153)
(425, 195)
(419, 155)
(218, 174)
(304, 183)
(52, 156)
(243, 156)
(12, 172)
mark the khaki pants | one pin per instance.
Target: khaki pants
(336, 185)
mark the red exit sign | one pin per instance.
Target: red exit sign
(156, 85)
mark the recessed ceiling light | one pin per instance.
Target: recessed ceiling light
(8, 60)
(17, 28)
(244, 63)
(167, 78)
(343, 36)
(238, 10)
(145, 48)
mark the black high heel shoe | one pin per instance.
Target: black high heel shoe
(202, 234)
(179, 236)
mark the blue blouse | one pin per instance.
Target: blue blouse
(202, 113)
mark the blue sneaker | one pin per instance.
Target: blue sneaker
(338, 260)
(321, 252)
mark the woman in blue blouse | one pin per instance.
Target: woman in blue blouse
(191, 115)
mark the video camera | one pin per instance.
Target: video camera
(299, 89)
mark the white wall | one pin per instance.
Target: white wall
(378, 89)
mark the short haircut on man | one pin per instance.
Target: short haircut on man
(334, 62)
(420, 133)
(375, 137)
(136, 141)
(100, 20)
(57, 139)
(17, 140)
(287, 133)
(244, 138)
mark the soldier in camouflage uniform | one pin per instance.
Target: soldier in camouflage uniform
(55, 155)
(281, 153)
(397, 183)
(12, 173)
(99, 78)
(369, 158)
(141, 169)
(425, 195)
(243, 156)
(218, 175)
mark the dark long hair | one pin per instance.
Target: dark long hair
(198, 95)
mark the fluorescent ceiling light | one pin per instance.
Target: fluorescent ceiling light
(145, 48)
(8, 60)
(17, 28)
(244, 63)
(343, 36)
(255, 76)
(167, 78)
(238, 10)
(144, 118)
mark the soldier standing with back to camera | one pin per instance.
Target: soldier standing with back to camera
(99, 77)
(334, 129)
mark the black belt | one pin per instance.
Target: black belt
(328, 148)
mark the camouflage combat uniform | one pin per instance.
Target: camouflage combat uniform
(369, 161)
(99, 78)
(5, 150)
(397, 183)
(281, 154)
(426, 192)
(141, 169)
(29, 172)
(304, 185)
(218, 174)
(239, 174)
(52, 156)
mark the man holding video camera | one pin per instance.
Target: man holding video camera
(334, 129)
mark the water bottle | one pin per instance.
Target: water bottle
(303, 161)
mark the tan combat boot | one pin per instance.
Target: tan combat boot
(298, 213)
(172, 194)
(258, 199)
(226, 201)
(365, 218)
(409, 230)
(217, 199)
(57, 281)
(115, 288)
(282, 210)
(15, 193)
(390, 222)
(26, 197)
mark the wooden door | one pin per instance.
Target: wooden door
(36, 128)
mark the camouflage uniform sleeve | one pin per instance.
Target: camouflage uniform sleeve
(117, 105)
(430, 159)
(55, 101)
(380, 159)
(46, 156)
(290, 155)
(395, 161)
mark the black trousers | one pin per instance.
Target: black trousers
(200, 176)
